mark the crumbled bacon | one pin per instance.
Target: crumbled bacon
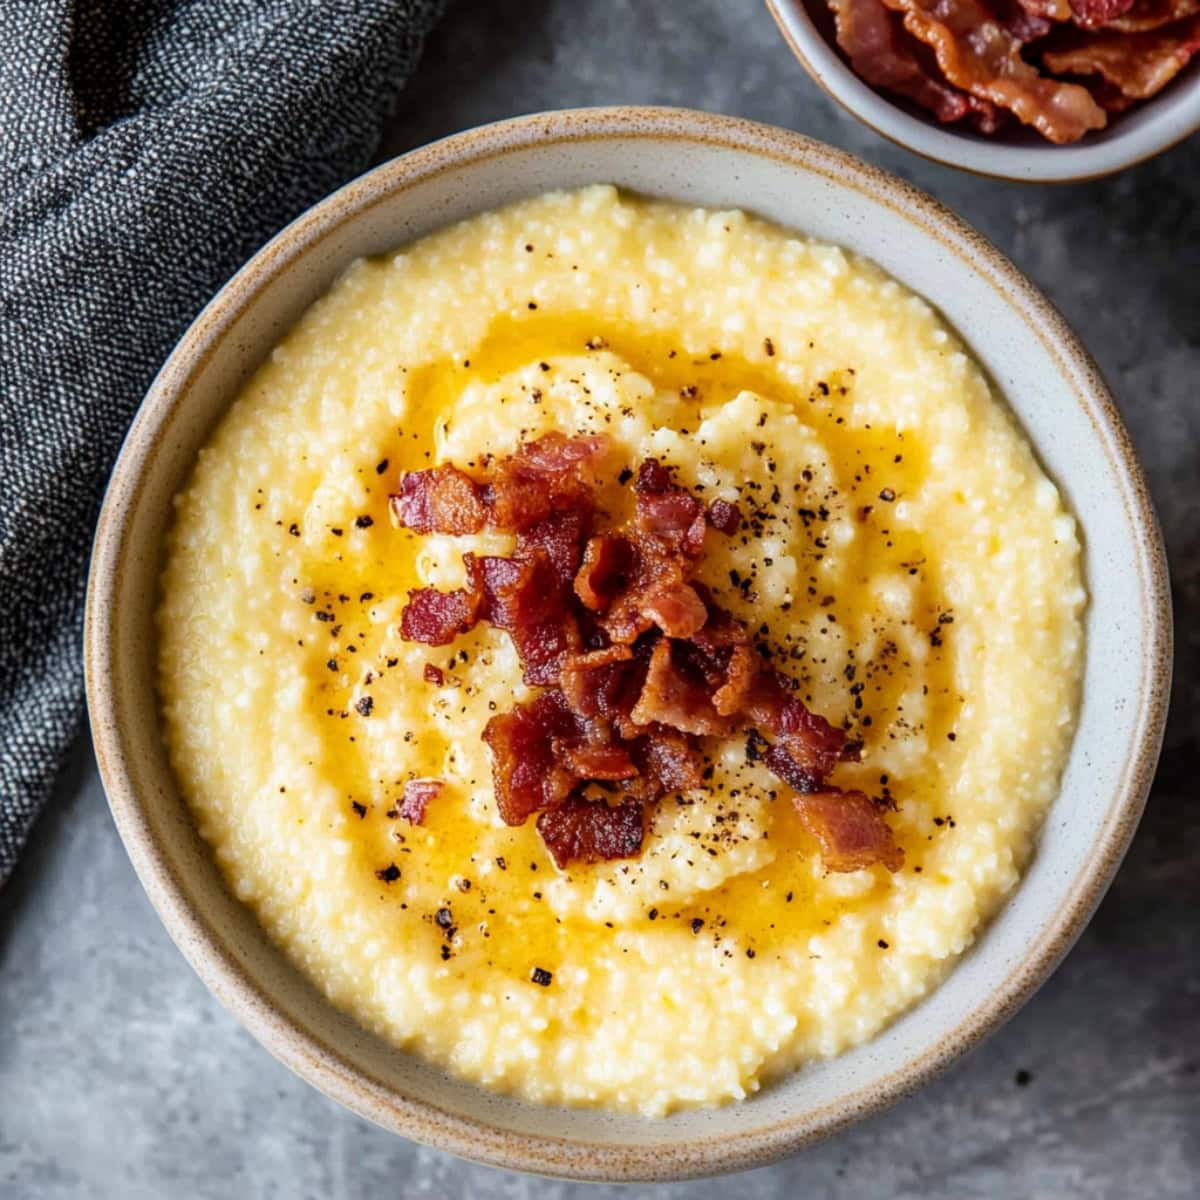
(676, 695)
(675, 608)
(582, 830)
(437, 618)
(1091, 14)
(607, 561)
(416, 798)
(1152, 14)
(886, 56)
(440, 500)
(850, 829)
(724, 517)
(636, 660)
(1138, 65)
(527, 777)
(560, 537)
(976, 53)
(525, 598)
(515, 493)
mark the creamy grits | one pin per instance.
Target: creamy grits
(911, 565)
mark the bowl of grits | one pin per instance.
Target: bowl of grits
(625, 640)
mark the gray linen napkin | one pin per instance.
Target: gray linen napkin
(146, 150)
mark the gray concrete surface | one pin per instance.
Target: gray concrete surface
(120, 1076)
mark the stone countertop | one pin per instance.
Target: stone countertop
(120, 1076)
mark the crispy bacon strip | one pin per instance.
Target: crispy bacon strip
(880, 52)
(437, 618)
(976, 53)
(608, 560)
(1138, 64)
(515, 493)
(417, 795)
(850, 829)
(674, 695)
(440, 500)
(1091, 14)
(582, 830)
(1023, 20)
(1050, 10)
(1152, 14)
(525, 773)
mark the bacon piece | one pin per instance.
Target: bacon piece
(517, 492)
(740, 672)
(675, 695)
(850, 829)
(608, 560)
(655, 569)
(880, 52)
(675, 608)
(525, 774)
(439, 500)
(596, 684)
(980, 56)
(1091, 14)
(668, 512)
(1152, 14)
(608, 762)
(560, 537)
(724, 517)
(433, 674)
(1138, 64)
(582, 830)
(813, 744)
(796, 775)
(1025, 23)
(542, 477)
(669, 760)
(437, 618)
(524, 598)
(417, 795)
(1050, 10)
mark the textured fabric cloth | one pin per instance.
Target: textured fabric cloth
(147, 149)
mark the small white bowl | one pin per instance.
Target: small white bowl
(702, 159)
(1017, 153)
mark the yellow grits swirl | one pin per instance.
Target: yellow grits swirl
(906, 559)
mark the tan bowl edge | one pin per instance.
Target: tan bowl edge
(303, 1051)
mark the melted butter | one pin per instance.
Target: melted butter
(499, 919)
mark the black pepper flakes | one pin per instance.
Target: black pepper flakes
(697, 924)
(361, 809)
(887, 495)
(365, 705)
(389, 874)
(541, 977)
(444, 917)
(363, 522)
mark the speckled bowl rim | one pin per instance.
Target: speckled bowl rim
(1077, 163)
(301, 1049)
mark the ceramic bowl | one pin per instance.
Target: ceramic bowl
(1018, 153)
(701, 159)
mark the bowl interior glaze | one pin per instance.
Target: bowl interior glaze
(1058, 397)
